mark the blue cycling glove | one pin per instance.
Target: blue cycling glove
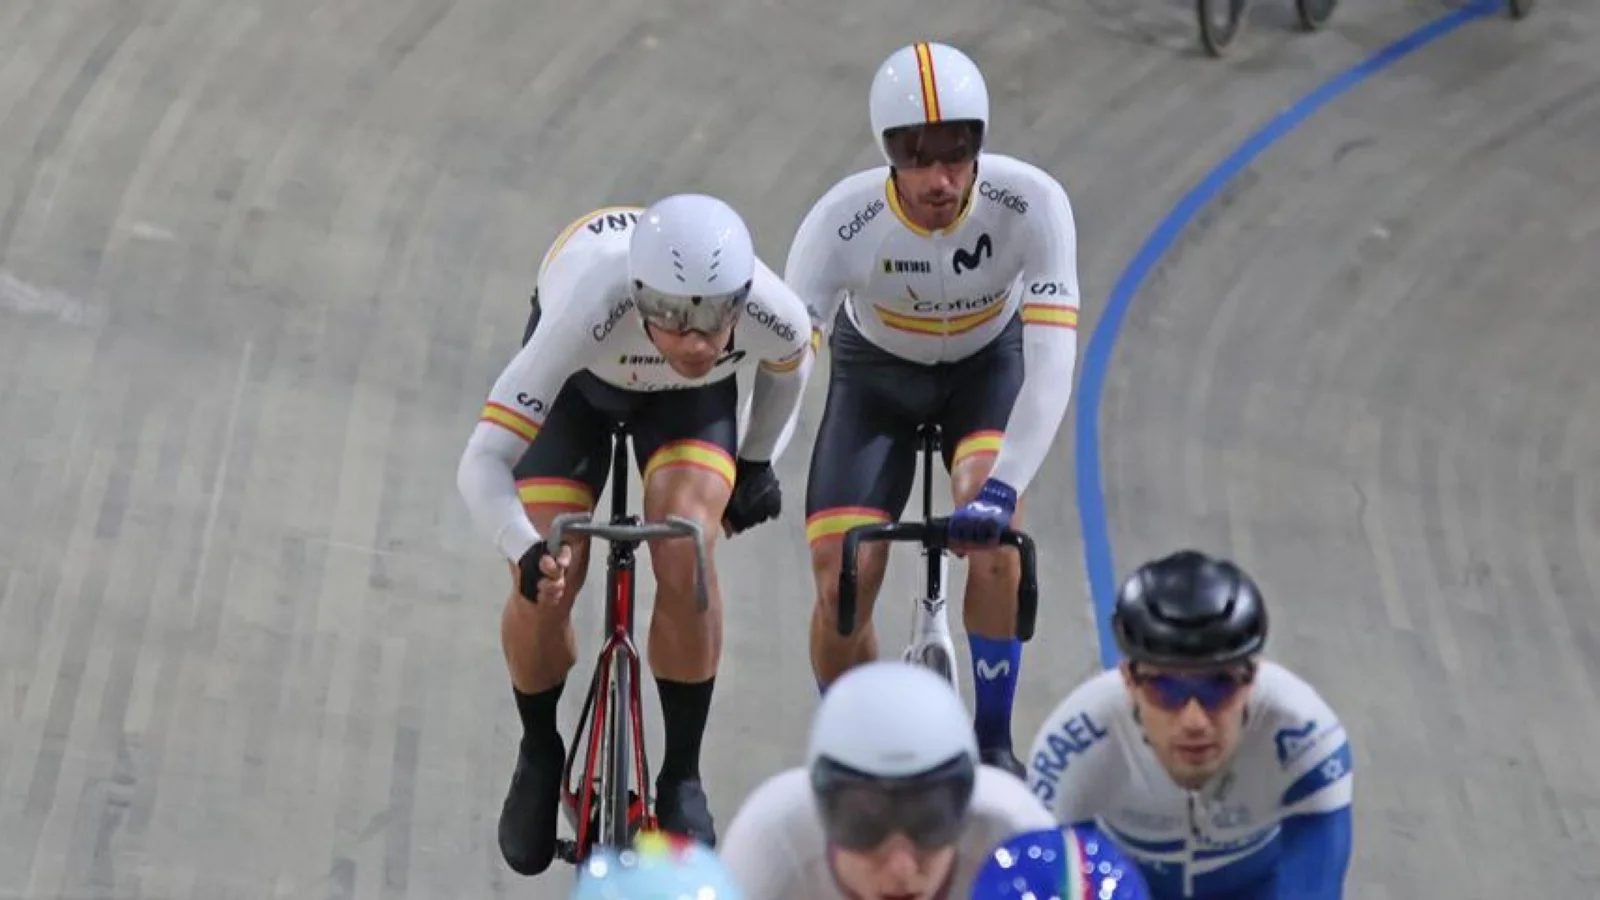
(989, 514)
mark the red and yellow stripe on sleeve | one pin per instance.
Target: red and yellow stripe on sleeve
(792, 361)
(1053, 314)
(511, 420)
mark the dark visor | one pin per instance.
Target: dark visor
(860, 812)
(919, 146)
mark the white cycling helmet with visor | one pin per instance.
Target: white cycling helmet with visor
(690, 264)
(892, 751)
(929, 104)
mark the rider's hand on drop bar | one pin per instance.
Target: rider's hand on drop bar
(542, 577)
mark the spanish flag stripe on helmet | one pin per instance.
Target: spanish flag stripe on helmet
(930, 89)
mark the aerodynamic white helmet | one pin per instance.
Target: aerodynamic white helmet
(892, 751)
(927, 83)
(691, 263)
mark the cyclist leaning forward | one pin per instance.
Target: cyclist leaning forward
(957, 274)
(642, 317)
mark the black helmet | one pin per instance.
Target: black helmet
(1189, 609)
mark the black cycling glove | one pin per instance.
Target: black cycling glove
(528, 572)
(756, 496)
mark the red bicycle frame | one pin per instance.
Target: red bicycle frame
(603, 808)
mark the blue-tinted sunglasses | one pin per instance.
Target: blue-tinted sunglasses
(1213, 689)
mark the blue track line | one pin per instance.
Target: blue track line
(1097, 358)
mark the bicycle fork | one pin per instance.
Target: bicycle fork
(931, 644)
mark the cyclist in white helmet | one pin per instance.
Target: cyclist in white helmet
(949, 281)
(892, 803)
(641, 316)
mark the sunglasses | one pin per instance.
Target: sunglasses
(1212, 690)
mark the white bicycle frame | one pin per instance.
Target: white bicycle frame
(931, 642)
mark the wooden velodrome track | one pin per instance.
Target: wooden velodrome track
(259, 263)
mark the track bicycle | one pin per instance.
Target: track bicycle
(931, 644)
(1222, 20)
(604, 809)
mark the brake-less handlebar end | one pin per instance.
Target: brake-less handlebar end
(1028, 587)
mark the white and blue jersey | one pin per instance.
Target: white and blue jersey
(1275, 825)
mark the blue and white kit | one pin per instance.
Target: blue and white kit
(1275, 825)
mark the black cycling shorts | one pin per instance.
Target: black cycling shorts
(567, 465)
(865, 460)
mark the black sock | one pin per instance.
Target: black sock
(684, 708)
(538, 713)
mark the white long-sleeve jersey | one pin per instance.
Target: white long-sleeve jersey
(588, 322)
(935, 297)
(1090, 762)
(776, 849)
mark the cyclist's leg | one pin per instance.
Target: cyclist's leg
(563, 470)
(862, 466)
(685, 442)
(984, 387)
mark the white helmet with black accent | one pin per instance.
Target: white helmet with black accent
(924, 84)
(892, 751)
(690, 263)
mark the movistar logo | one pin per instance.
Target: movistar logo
(989, 672)
(965, 260)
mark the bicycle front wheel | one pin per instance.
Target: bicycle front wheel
(1314, 13)
(1220, 23)
(933, 657)
(615, 802)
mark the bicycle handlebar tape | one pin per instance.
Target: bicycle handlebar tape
(1028, 587)
(932, 535)
(846, 624)
(880, 531)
